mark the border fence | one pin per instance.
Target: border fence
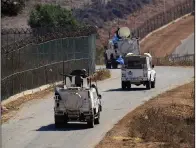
(156, 22)
(177, 60)
(34, 57)
(164, 18)
(40, 58)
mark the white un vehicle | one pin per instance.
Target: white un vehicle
(124, 45)
(77, 103)
(138, 70)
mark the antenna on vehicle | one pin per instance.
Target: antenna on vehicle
(64, 74)
(96, 82)
(89, 77)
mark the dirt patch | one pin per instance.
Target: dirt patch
(165, 41)
(164, 121)
(10, 109)
(101, 75)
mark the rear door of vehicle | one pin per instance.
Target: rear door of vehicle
(136, 68)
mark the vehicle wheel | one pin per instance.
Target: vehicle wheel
(58, 121)
(97, 120)
(108, 65)
(148, 85)
(123, 84)
(114, 65)
(65, 120)
(91, 123)
(153, 84)
(128, 85)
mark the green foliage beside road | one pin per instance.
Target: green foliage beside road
(48, 15)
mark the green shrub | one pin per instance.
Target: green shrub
(48, 15)
(11, 7)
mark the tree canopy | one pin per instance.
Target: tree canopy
(48, 15)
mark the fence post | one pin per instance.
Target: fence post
(46, 75)
(63, 71)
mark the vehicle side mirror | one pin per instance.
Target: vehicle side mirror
(99, 96)
(152, 66)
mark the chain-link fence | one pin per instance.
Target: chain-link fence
(164, 18)
(33, 62)
(175, 60)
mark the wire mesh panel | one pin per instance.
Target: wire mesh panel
(42, 63)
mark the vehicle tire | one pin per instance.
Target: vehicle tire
(128, 85)
(123, 85)
(65, 120)
(108, 65)
(148, 85)
(97, 120)
(58, 121)
(153, 84)
(114, 65)
(91, 122)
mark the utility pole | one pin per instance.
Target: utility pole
(164, 11)
(164, 6)
(118, 17)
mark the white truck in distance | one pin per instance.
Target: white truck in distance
(124, 45)
(77, 103)
(138, 70)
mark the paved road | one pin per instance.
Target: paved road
(33, 127)
(187, 46)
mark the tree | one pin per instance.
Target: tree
(48, 15)
(11, 7)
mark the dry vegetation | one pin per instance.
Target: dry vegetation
(106, 14)
(165, 121)
(179, 61)
(100, 75)
(100, 11)
(11, 108)
(96, 12)
(165, 41)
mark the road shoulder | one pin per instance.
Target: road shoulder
(152, 124)
(10, 108)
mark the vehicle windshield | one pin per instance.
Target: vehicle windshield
(135, 63)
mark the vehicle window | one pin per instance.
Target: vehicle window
(135, 64)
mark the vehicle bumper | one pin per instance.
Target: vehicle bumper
(135, 80)
(75, 115)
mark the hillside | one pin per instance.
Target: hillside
(106, 14)
(95, 12)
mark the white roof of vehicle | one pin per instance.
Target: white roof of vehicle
(144, 55)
